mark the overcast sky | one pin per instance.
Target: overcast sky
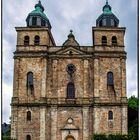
(78, 15)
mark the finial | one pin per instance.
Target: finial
(106, 2)
(71, 31)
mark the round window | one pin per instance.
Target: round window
(71, 68)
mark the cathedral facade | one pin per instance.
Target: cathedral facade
(69, 92)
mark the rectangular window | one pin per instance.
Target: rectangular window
(34, 21)
(112, 22)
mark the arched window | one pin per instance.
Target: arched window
(37, 40)
(110, 115)
(104, 40)
(114, 40)
(70, 91)
(110, 79)
(30, 83)
(34, 21)
(29, 115)
(26, 40)
(28, 137)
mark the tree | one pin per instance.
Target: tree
(133, 103)
(133, 118)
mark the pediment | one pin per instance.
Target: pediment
(69, 125)
(70, 50)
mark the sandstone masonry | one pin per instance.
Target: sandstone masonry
(68, 92)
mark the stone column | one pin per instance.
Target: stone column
(16, 78)
(44, 70)
(53, 123)
(124, 121)
(42, 123)
(86, 123)
(86, 64)
(123, 72)
(96, 77)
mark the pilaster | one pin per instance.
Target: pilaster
(55, 78)
(124, 121)
(16, 78)
(123, 72)
(44, 70)
(42, 123)
(96, 77)
(86, 65)
(85, 123)
(14, 122)
(53, 123)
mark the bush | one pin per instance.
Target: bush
(99, 137)
(110, 137)
(7, 138)
(117, 137)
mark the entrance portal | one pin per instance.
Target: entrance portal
(70, 138)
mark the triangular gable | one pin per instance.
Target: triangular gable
(70, 50)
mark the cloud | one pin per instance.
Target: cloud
(6, 100)
(131, 79)
(8, 65)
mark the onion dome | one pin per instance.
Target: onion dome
(37, 18)
(71, 40)
(107, 18)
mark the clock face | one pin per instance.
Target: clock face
(71, 68)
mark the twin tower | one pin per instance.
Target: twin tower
(68, 92)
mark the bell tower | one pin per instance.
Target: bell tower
(109, 74)
(30, 66)
(37, 32)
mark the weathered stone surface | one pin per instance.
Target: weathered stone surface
(48, 103)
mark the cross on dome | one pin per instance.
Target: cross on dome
(37, 18)
(71, 31)
(107, 18)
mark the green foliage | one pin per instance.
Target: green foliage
(99, 137)
(110, 137)
(133, 118)
(8, 132)
(133, 103)
(7, 138)
(133, 130)
(117, 137)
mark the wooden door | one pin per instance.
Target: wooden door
(70, 138)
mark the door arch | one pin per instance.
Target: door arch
(70, 138)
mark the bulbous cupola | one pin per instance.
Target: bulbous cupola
(37, 18)
(71, 40)
(107, 18)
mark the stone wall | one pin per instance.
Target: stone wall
(102, 124)
(54, 117)
(25, 127)
(29, 65)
